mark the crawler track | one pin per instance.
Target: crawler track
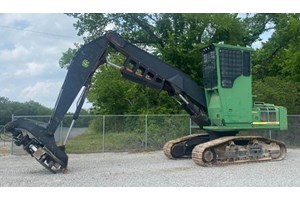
(238, 149)
(184, 143)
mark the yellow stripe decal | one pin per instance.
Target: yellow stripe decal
(264, 123)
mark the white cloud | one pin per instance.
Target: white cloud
(31, 69)
(45, 92)
(18, 52)
(4, 91)
(38, 89)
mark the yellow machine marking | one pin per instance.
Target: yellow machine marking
(264, 123)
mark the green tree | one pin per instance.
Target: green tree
(280, 55)
(276, 68)
(278, 91)
(175, 38)
(113, 95)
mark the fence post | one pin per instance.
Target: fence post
(103, 132)
(12, 142)
(146, 131)
(270, 134)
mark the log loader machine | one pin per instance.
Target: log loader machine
(222, 107)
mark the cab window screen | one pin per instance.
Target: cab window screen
(231, 64)
(209, 69)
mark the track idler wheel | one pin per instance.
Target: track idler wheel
(208, 156)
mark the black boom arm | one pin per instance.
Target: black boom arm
(84, 64)
(139, 66)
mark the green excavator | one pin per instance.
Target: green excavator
(222, 107)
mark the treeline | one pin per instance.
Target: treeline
(9, 108)
(31, 109)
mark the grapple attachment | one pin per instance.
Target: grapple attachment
(38, 143)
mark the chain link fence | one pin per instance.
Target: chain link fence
(92, 134)
(5, 145)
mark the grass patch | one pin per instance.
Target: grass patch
(92, 142)
(88, 142)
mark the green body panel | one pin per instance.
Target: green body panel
(230, 106)
(228, 91)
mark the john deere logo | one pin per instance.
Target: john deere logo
(85, 63)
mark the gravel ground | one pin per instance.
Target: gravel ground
(150, 169)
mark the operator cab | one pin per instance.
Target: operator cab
(228, 91)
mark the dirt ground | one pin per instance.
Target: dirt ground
(148, 169)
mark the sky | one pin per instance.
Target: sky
(30, 48)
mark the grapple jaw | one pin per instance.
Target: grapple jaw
(38, 143)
